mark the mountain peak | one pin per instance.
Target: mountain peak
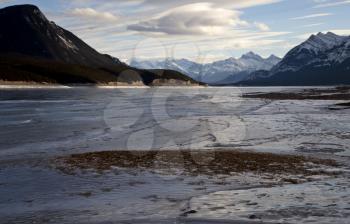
(251, 55)
(320, 42)
(326, 35)
(44, 39)
(331, 33)
(23, 6)
(321, 49)
(21, 9)
(48, 53)
(25, 13)
(273, 57)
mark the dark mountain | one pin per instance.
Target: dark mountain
(323, 59)
(29, 43)
(25, 30)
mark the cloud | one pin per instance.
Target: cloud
(344, 32)
(312, 16)
(228, 44)
(262, 26)
(331, 4)
(5, 1)
(237, 4)
(313, 25)
(90, 13)
(304, 36)
(192, 19)
(215, 26)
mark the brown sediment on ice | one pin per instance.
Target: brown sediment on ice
(338, 93)
(219, 162)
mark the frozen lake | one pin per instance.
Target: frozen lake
(40, 124)
(58, 121)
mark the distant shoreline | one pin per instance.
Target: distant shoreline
(33, 85)
(52, 86)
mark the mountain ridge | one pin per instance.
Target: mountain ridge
(323, 59)
(214, 72)
(28, 40)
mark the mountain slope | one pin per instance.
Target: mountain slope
(28, 41)
(311, 51)
(225, 71)
(185, 66)
(323, 59)
(45, 39)
(234, 70)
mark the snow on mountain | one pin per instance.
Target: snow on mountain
(340, 53)
(273, 60)
(322, 42)
(218, 72)
(323, 59)
(317, 49)
(185, 66)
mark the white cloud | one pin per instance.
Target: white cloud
(216, 26)
(304, 36)
(90, 13)
(229, 44)
(324, 4)
(237, 4)
(192, 19)
(262, 26)
(344, 32)
(312, 16)
(312, 25)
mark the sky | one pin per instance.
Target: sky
(198, 30)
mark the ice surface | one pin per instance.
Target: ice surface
(36, 125)
(104, 119)
(321, 202)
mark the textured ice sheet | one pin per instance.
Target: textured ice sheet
(39, 124)
(61, 121)
(319, 202)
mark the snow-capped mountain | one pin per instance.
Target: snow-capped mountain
(310, 51)
(181, 65)
(218, 72)
(233, 70)
(323, 59)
